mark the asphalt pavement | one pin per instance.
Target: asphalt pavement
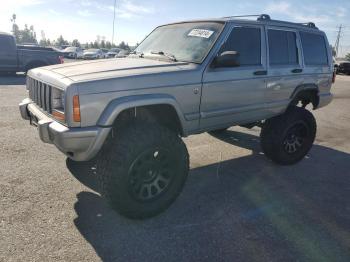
(236, 205)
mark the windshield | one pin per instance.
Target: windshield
(70, 49)
(189, 42)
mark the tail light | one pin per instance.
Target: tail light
(334, 76)
(61, 59)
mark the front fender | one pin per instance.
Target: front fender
(115, 107)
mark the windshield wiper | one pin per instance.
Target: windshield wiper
(162, 53)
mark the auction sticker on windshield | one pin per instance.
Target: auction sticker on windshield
(201, 33)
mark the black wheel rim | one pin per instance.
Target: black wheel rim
(295, 138)
(151, 174)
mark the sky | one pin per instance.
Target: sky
(87, 19)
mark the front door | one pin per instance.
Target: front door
(235, 95)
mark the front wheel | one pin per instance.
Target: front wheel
(286, 139)
(143, 169)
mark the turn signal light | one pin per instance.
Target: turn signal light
(58, 115)
(76, 109)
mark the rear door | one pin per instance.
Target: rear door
(8, 53)
(285, 68)
(236, 95)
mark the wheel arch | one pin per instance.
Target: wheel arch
(157, 105)
(306, 94)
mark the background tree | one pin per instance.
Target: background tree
(103, 44)
(124, 46)
(76, 43)
(347, 57)
(61, 41)
(27, 35)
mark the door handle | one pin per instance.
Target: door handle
(260, 73)
(297, 70)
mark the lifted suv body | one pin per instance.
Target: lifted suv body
(129, 114)
(198, 96)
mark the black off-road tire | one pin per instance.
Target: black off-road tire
(147, 156)
(286, 139)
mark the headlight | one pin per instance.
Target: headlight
(57, 99)
(57, 102)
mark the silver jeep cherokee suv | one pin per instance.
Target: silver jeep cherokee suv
(185, 78)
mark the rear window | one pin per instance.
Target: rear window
(7, 43)
(314, 49)
(282, 47)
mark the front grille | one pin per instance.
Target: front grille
(40, 93)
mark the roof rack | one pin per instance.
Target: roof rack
(265, 17)
(259, 17)
(308, 24)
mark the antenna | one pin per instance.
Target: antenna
(336, 46)
(115, 3)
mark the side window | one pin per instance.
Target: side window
(6, 43)
(282, 47)
(314, 49)
(247, 42)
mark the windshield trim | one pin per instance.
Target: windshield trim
(193, 22)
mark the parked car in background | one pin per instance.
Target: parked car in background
(73, 52)
(93, 54)
(18, 58)
(105, 51)
(343, 68)
(113, 52)
(122, 53)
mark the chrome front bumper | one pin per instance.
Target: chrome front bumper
(80, 144)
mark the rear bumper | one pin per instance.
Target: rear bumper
(324, 99)
(80, 144)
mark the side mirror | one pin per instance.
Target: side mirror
(227, 59)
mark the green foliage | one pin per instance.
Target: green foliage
(124, 46)
(61, 41)
(76, 43)
(347, 57)
(26, 35)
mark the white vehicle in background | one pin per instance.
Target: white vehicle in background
(73, 52)
(113, 52)
(122, 54)
(93, 54)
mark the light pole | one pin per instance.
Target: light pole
(115, 3)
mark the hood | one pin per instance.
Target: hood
(115, 68)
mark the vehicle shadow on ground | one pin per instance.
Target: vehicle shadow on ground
(19, 79)
(243, 209)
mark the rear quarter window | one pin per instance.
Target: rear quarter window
(7, 43)
(314, 49)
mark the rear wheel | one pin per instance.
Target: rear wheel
(142, 170)
(286, 139)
